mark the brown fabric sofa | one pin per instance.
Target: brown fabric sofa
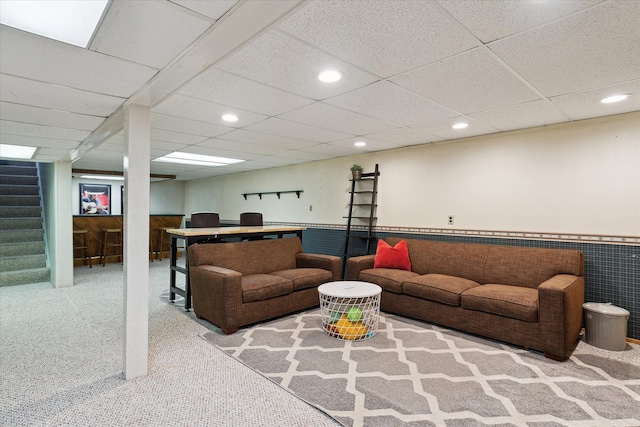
(525, 296)
(240, 283)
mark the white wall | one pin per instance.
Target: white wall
(166, 197)
(115, 207)
(581, 177)
(56, 200)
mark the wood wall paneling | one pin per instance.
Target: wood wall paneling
(94, 224)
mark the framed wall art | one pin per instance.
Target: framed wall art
(95, 199)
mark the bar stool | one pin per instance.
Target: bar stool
(117, 235)
(152, 248)
(160, 242)
(80, 242)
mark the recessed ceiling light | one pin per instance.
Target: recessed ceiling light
(460, 125)
(196, 159)
(360, 144)
(615, 98)
(230, 118)
(329, 76)
(17, 151)
(68, 21)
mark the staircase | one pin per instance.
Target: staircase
(23, 257)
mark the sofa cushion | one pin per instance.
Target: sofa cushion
(530, 266)
(510, 301)
(438, 287)
(388, 279)
(258, 287)
(260, 256)
(388, 256)
(304, 278)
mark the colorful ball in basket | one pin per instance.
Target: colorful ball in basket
(354, 313)
(335, 316)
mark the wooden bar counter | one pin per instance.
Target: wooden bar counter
(94, 224)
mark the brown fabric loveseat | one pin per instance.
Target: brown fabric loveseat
(525, 296)
(240, 283)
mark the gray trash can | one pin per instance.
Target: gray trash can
(605, 325)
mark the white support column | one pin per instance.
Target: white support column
(137, 132)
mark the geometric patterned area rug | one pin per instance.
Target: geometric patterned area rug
(412, 373)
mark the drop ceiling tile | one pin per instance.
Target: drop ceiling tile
(149, 33)
(490, 20)
(51, 155)
(179, 124)
(46, 95)
(81, 68)
(585, 105)
(220, 152)
(281, 61)
(277, 161)
(295, 130)
(392, 103)
(33, 141)
(468, 83)
(52, 132)
(385, 38)
(210, 9)
(403, 137)
(242, 147)
(329, 117)
(224, 88)
(332, 150)
(204, 111)
(443, 129)
(531, 114)
(47, 117)
(179, 137)
(304, 155)
(167, 145)
(372, 145)
(258, 138)
(584, 51)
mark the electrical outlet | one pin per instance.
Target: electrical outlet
(450, 219)
(310, 208)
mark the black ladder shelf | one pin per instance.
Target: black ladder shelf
(362, 209)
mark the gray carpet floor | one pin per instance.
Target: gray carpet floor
(61, 358)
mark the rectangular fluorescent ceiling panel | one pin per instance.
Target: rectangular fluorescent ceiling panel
(68, 21)
(196, 159)
(106, 177)
(17, 151)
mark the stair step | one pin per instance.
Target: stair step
(28, 169)
(18, 236)
(14, 200)
(23, 277)
(21, 248)
(18, 179)
(19, 190)
(20, 223)
(20, 212)
(23, 262)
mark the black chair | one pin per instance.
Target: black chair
(206, 220)
(251, 219)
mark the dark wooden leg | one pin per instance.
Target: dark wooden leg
(172, 263)
(554, 357)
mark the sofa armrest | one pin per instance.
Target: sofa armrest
(217, 295)
(358, 263)
(560, 311)
(331, 263)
